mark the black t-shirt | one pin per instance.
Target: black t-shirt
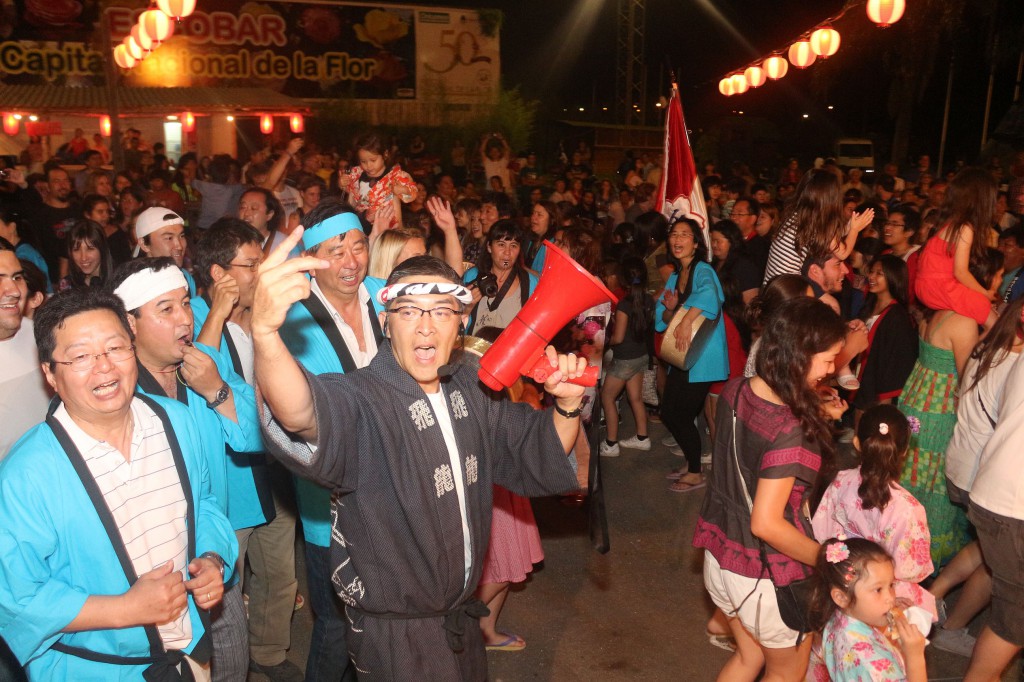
(631, 347)
(50, 226)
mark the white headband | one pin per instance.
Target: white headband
(145, 285)
(393, 291)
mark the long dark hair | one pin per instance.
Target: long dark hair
(799, 329)
(91, 233)
(971, 203)
(894, 269)
(732, 234)
(995, 346)
(502, 229)
(699, 255)
(634, 278)
(817, 209)
(883, 450)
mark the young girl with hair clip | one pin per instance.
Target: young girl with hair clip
(376, 181)
(868, 502)
(866, 636)
(634, 317)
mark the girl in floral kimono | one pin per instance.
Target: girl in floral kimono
(867, 502)
(865, 636)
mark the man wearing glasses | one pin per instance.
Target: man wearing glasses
(114, 547)
(262, 501)
(223, 405)
(411, 446)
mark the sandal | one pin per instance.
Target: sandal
(510, 643)
(682, 486)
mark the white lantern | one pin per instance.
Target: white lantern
(755, 76)
(739, 83)
(800, 54)
(886, 12)
(775, 67)
(825, 42)
(725, 86)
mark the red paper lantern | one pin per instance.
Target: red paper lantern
(122, 58)
(177, 9)
(775, 67)
(142, 38)
(188, 122)
(10, 124)
(886, 12)
(133, 49)
(725, 86)
(739, 83)
(297, 123)
(800, 54)
(755, 76)
(825, 42)
(105, 125)
(157, 25)
(266, 124)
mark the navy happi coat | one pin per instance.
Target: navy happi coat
(397, 541)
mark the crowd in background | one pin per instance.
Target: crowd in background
(856, 335)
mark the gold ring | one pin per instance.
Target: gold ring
(209, 596)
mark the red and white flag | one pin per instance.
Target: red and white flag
(680, 194)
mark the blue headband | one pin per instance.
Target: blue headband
(332, 227)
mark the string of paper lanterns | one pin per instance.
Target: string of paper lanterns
(153, 27)
(822, 42)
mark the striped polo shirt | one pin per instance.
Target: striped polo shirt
(145, 498)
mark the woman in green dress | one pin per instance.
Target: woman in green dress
(930, 395)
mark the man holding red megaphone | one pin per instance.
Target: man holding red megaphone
(411, 445)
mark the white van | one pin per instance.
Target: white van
(852, 152)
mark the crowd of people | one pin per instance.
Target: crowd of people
(849, 346)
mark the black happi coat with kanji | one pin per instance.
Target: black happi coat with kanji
(397, 541)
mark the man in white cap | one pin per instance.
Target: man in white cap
(222, 404)
(160, 232)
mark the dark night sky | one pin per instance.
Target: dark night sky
(562, 53)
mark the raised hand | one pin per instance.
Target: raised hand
(441, 210)
(224, 293)
(569, 367)
(281, 281)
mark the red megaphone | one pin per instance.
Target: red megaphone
(564, 291)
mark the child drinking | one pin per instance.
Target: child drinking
(944, 280)
(867, 502)
(866, 636)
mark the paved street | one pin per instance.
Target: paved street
(636, 613)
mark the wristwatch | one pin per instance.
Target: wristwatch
(222, 394)
(215, 558)
(569, 415)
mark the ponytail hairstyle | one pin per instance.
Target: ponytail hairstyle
(884, 435)
(634, 279)
(840, 566)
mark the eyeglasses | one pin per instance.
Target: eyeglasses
(86, 361)
(252, 267)
(408, 313)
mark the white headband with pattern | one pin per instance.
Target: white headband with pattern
(393, 291)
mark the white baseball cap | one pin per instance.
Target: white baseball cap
(151, 220)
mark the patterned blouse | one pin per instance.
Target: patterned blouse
(856, 652)
(368, 195)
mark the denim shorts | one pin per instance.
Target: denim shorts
(627, 369)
